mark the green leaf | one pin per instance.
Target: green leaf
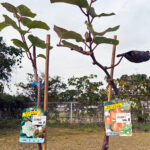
(59, 31)
(19, 43)
(25, 11)
(70, 44)
(107, 30)
(73, 35)
(90, 28)
(36, 41)
(38, 24)
(3, 25)
(105, 15)
(80, 3)
(41, 55)
(93, 14)
(25, 21)
(9, 7)
(104, 40)
(11, 22)
(51, 47)
(65, 34)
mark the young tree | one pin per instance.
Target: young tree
(23, 23)
(9, 58)
(90, 42)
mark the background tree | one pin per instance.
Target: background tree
(91, 40)
(9, 58)
(23, 23)
(87, 91)
(135, 88)
(55, 86)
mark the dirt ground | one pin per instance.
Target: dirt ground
(77, 139)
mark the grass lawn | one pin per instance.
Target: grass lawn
(76, 139)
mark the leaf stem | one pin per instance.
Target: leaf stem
(115, 64)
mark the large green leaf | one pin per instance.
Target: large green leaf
(36, 41)
(25, 21)
(19, 43)
(70, 44)
(11, 22)
(25, 11)
(41, 55)
(104, 40)
(73, 35)
(65, 34)
(59, 31)
(38, 24)
(80, 3)
(9, 7)
(3, 25)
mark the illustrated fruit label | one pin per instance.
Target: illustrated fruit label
(118, 118)
(33, 125)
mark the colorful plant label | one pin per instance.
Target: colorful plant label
(118, 118)
(33, 125)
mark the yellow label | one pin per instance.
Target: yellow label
(113, 106)
(30, 113)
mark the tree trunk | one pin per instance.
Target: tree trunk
(38, 86)
(105, 143)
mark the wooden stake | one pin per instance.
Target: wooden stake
(112, 69)
(105, 145)
(46, 82)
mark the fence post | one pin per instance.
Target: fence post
(71, 112)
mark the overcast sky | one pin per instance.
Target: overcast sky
(132, 16)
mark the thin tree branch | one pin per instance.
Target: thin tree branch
(95, 47)
(110, 81)
(30, 46)
(24, 40)
(83, 11)
(78, 50)
(86, 44)
(115, 64)
(92, 20)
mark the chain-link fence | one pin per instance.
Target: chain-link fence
(74, 112)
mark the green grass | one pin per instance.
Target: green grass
(66, 136)
(75, 125)
(141, 126)
(76, 139)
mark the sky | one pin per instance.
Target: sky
(132, 16)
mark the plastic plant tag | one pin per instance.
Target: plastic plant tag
(33, 125)
(118, 118)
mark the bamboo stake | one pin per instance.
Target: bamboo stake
(46, 82)
(106, 138)
(112, 69)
